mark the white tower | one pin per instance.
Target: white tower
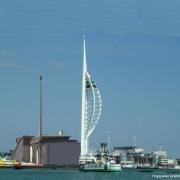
(91, 108)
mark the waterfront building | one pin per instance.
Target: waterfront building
(160, 153)
(167, 162)
(157, 155)
(127, 150)
(91, 109)
(48, 150)
(130, 155)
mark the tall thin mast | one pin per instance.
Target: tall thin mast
(41, 106)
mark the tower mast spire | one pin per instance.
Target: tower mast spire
(83, 130)
(84, 54)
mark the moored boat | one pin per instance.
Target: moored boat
(7, 163)
(23, 165)
(101, 167)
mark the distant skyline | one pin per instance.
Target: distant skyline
(132, 52)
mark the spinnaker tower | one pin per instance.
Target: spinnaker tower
(91, 108)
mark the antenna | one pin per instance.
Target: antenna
(134, 141)
(160, 147)
(108, 141)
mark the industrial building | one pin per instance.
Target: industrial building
(47, 150)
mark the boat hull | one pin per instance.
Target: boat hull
(28, 166)
(99, 170)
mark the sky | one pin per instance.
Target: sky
(132, 54)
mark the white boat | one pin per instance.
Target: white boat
(101, 167)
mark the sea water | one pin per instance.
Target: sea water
(11, 174)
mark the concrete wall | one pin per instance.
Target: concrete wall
(64, 153)
(21, 151)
